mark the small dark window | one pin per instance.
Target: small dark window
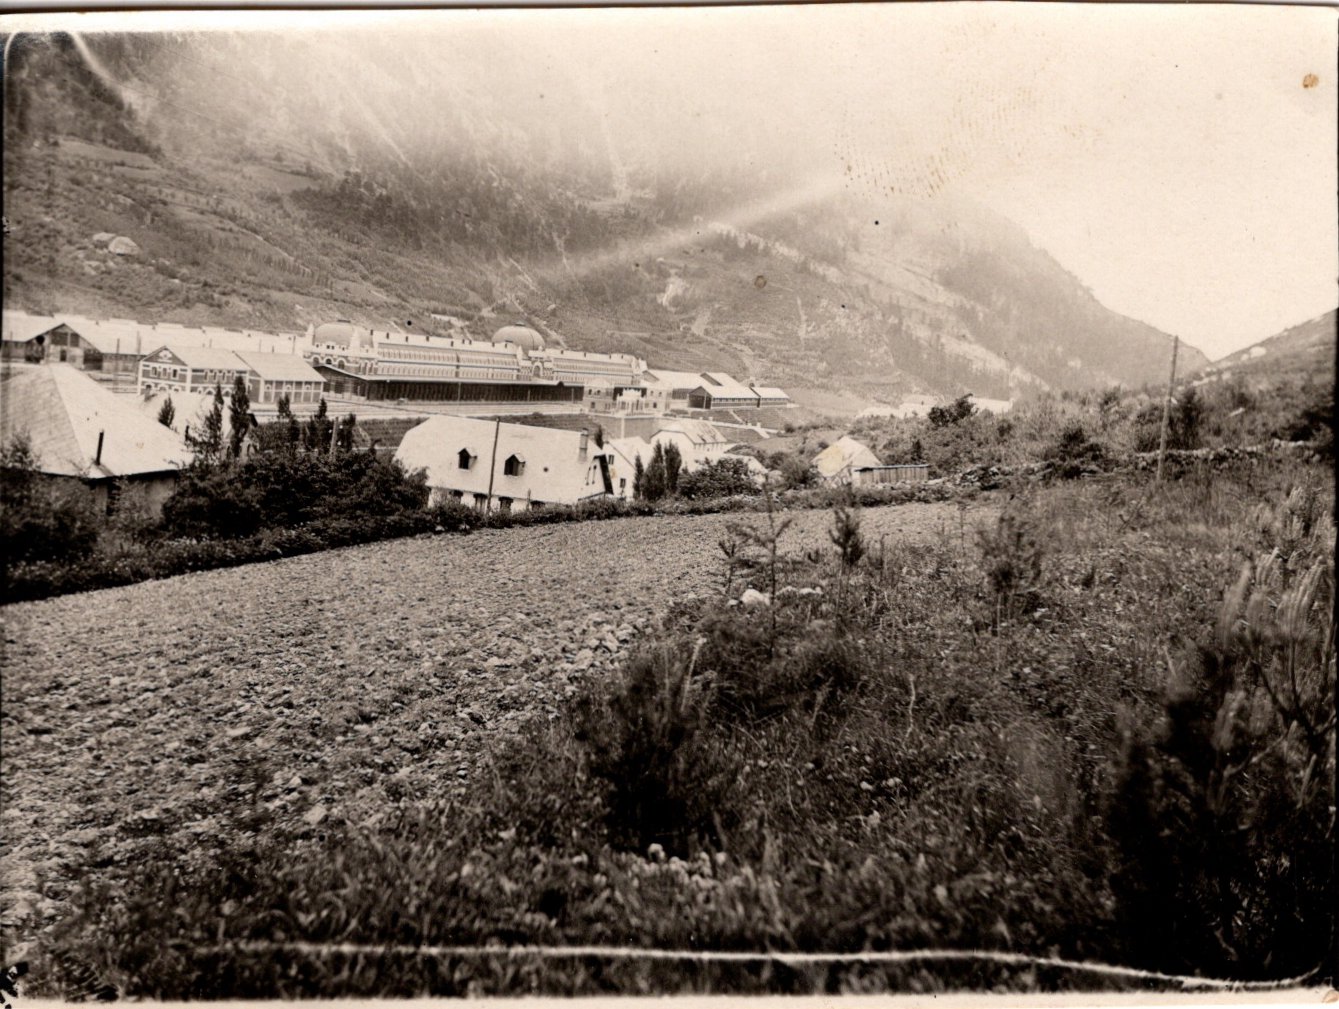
(504, 504)
(514, 466)
(466, 460)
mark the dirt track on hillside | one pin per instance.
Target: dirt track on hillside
(325, 687)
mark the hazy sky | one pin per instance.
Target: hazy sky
(1173, 157)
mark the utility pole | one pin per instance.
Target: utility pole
(1167, 410)
(492, 465)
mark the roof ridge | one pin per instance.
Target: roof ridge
(82, 463)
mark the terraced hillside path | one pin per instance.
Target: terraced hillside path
(325, 687)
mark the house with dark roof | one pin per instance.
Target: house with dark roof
(718, 390)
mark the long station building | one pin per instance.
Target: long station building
(516, 366)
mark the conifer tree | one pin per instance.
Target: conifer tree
(673, 467)
(239, 417)
(208, 446)
(167, 413)
(319, 428)
(344, 435)
(654, 483)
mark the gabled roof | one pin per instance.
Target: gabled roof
(221, 338)
(113, 336)
(723, 386)
(770, 392)
(211, 358)
(671, 379)
(555, 471)
(843, 454)
(279, 367)
(62, 411)
(20, 327)
(626, 452)
(699, 432)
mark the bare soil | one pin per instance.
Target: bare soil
(333, 686)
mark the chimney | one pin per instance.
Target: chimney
(97, 458)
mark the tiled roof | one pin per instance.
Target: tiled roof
(62, 411)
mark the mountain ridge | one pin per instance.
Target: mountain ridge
(822, 283)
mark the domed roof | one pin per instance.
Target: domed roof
(522, 336)
(341, 334)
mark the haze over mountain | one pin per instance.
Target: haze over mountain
(281, 179)
(1305, 351)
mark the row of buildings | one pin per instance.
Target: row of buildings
(516, 367)
(80, 430)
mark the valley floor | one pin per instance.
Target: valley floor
(339, 684)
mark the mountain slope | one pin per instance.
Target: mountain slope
(282, 180)
(1304, 350)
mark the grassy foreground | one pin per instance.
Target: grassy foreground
(1101, 727)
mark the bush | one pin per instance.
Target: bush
(1074, 450)
(282, 490)
(665, 779)
(41, 518)
(1241, 762)
(717, 478)
(956, 412)
(1011, 556)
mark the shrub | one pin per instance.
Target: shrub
(1011, 556)
(211, 502)
(845, 534)
(41, 518)
(956, 412)
(1074, 450)
(665, 779)
(717, 478)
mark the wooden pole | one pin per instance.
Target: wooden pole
(1167, 410)
(492, 465)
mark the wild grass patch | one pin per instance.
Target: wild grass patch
(889, 751)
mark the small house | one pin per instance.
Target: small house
(838, 463)
(494, 466)
(718, 390)
(698, 441)
(624, 453)
(81, 431)
(270, 377)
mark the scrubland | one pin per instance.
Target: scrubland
(1086, 719)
